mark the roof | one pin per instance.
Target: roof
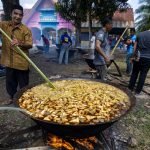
(26, 13)
(124, 16)
(29, 14)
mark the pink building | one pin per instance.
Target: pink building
(43, 19)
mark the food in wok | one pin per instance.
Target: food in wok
(75, 102)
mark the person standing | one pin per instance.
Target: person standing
(141, 66)
(65, 44)
(89, 57)
(17, 67)
(45, 44)
(130, 48)
(113, 41)
(102, 49)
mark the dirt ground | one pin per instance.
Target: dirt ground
(136, 124)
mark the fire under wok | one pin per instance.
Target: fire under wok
(80, 129)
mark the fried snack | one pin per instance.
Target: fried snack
(75, 102)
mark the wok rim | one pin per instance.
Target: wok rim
(132, 100)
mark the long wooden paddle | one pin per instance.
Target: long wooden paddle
(113, 50)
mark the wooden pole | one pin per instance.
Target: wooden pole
(113, 50)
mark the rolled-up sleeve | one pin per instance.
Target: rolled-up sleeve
(100, 36)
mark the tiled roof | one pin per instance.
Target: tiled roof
(124, 16)
(26, 13)
(31, 12)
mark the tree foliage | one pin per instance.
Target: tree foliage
(7, 6)
(143, 18)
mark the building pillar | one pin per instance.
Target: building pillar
(57, 37)
(41, 41)
(41, 31)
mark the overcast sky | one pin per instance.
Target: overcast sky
(30, 3)
(24, 3)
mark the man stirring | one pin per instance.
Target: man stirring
(17, 67)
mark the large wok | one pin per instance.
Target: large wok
(83, 130)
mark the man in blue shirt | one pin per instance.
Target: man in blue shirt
(66, 43)
(130, 46)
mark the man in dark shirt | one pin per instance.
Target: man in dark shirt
(142, 66)
(46, 44)
(102, 49)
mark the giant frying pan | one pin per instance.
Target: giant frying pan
(83, 130)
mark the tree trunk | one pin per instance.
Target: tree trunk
(90, 27)
(7, 6)
(78, 24)
(78, 34)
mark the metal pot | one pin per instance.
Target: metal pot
(84, 130)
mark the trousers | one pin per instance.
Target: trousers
(140, 70)
(15, 78)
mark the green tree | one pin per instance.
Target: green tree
(143, 18)
(7, 6)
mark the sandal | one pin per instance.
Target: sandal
(93, 71)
